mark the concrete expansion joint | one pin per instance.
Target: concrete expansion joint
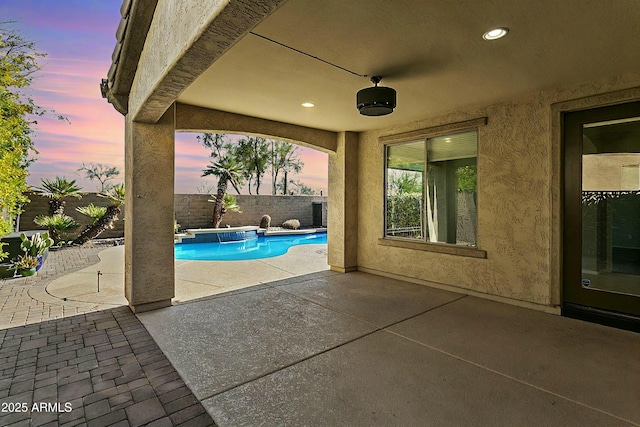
(272, 371)
(509, 377)
(375, 330)
(378, 328)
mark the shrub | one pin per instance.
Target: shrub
(57, 224)
(92, 211)
(265, 222)
(291, 224)
(36, 245)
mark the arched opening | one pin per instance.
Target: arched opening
(282, 180)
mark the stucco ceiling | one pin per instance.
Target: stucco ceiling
(431, 52)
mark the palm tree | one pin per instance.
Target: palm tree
(58, 190)
(227, 171)
(100, 223)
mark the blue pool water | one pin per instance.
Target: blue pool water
(261, 247)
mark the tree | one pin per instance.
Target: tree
(101, 172)
(214, 142)
(58, 190)
(220, 149)
(253, 153)
(404, 200)
(101, 222)
(284, 158)
(18, 62)
(302, 189)
(205, 188)
(227, 170)
(12, 187)
(404, 181)
(294, 188)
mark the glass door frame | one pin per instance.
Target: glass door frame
(577, 301)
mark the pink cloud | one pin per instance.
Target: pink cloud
(78, 38)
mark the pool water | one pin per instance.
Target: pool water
(261, 247)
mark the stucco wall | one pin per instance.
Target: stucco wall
(518, 200)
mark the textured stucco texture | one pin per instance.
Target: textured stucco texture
(518, 199)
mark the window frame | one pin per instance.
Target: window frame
(423, 135)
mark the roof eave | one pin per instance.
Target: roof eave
(130, 38)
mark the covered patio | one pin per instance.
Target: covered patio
(491, 110)
(363, 350)
(322, 349)
(434, 326)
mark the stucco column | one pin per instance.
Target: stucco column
(343, 204)
(149, 278)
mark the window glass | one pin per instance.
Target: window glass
(451, 194)
(441, 204)
(405, 190)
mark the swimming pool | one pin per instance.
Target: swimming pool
(260, 247)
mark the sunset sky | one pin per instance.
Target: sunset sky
(78, 37)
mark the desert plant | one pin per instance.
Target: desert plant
(227, 171)
(92, 211)
(116, 196)
(291, 224)
(265, 221)
(231, 204)
(176, 226)
(26, 262)
(58, 190)
(56, 224)
(36, 245)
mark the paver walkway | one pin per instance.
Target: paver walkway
(24, 300)
(83, 363)
(94, 369)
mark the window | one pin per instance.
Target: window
(431, 189)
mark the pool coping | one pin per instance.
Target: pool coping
(276, 231)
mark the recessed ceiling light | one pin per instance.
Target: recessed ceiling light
(308, 104)
(495, 33)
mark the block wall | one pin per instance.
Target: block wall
(40, 206)
(192, 211)
(195, 211)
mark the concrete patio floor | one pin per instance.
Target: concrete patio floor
(359, 350)
(318, 349)
(194, 279)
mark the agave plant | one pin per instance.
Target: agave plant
(56, 224)
(58, 190)
(116, 196)
(26, 262)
